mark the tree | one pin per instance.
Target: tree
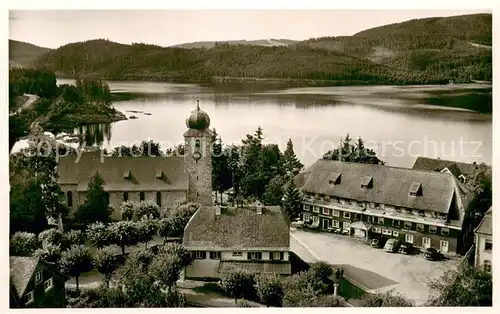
(178, 218)
(328, 301)
(274, 191)
(146, 228)
(73, 237)
(147, 209)
(96, 206)
(98, 235)
(75, 261)
(127, 209)
(479, 182)
(292, 200)
(269, 290)
(166, 269)
(106, 262)
(124, 233)
(177, 250)
(27, 208)
(350, 152)
(49, 253)
(292, 164)
(386, 299)
(238, 284)
(163, 228)
(23, 244)
(221, 172)
(51, 236)
(465, 286)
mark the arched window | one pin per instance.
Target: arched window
(70, 198)
(158, 198)
(141, 196)
(125, 196)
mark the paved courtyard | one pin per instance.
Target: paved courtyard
(371, 268)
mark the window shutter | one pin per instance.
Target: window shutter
(248, 255)
(282, 256)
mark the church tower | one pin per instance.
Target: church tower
(198, 156)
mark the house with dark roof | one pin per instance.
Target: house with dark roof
(425, 208)
(459, 169)
(162, 179)
(35, 284)
(484, 243)
(252, 238)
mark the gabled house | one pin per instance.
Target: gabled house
(252, 238)
(458, 169)
(425, 208)
(484, 243)
(36, 284)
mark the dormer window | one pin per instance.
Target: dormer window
(126, 174)
(416, 189)
(367, 182)
(421, 213)
(159, 174)
(334, 178)
(462, 178)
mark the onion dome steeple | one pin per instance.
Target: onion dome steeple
(198, 119)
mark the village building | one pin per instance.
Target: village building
(484, 243)
(426, 208)
(252, 238)
(458, 169)
(35, 284)
(165, 180)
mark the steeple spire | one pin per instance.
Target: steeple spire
(198, 104)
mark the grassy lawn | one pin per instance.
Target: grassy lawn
(349, 291)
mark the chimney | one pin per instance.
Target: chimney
(217, 210)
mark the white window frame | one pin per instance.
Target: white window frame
(345, 225)
(409, 238)
(199, 254)
(315, 218)
(447, 233)
(420, 229)
(407, 222)
(380, 220)
(335, 224)
(216, 253)
(395, 233)
(315, 209)
(433, 229)
(377, 230)
(276, 256)
(32, 299)
(487, 241)
(254, 255)
(51, 284)
(38, 276)
(307, 217)
(328, 223)
(386, 232)
(325, 211)
(347, 215)
(487, 265)
(307, 207)
(336, 213)
(238, 254)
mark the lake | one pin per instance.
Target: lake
(399, 122)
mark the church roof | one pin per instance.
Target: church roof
(237, 228)
(486, 225)
(124, 173)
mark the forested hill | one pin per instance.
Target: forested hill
(459, 46)
(262, 42)
(424, 51)
(21, 53)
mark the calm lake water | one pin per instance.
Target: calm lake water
(399, 123)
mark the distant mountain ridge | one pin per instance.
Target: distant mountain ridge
(260, 42)
(21, 53)
(420, 51)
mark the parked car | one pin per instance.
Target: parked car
(298, 224)
(433, 254)
(392, 245)
(406, 248)
(377, 243)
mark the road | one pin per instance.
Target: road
(27, 104)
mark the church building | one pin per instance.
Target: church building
(162, 179)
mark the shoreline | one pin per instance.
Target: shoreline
(221, 80)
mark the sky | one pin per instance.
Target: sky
(54, 28)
